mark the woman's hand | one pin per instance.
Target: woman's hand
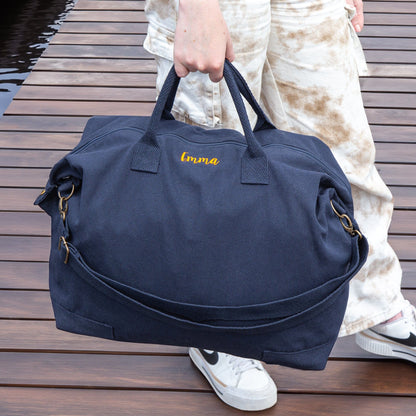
(358, 20)
(202, 40)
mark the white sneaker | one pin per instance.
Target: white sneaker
(392, 339)
(240, 382)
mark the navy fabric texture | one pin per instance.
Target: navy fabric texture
(180, 235)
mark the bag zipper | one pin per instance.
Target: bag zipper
(183, 139)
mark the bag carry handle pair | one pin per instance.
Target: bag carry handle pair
(254, 164)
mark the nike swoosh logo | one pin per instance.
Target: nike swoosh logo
(410, 341)
(209, 357)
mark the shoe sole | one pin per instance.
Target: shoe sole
(372, 342)
(250, 404)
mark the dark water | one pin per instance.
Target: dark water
(26, 27)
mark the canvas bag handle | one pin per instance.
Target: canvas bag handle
(262, 120)
(147, 152)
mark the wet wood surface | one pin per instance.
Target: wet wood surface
(96, 65)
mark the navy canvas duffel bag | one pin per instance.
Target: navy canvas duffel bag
(168, 233)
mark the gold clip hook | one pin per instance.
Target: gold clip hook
(63, 203)
(346, 223)
(62, 240)
(63, 208)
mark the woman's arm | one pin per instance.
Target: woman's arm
(202, 40)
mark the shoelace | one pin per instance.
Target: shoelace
(240, 365)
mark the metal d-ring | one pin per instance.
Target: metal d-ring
(65, 198)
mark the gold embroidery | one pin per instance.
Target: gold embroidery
(205, 160)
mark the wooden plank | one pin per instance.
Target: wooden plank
(395, 174)
(24, 223)
(409, 275)
(42, 336)
(75, 402)
(404, 197)
(97, 370)
(79, 108)
(388, 84)
(389, 7)
(386, 133)
(97, 39)
(390, 57)
(405, 247)
(394, 70)
(97, 402)
(391, 116)
(105, 27)
(109, 5)
(10, 158)
(92, 79)
(96, 65)
(74, 93)
(121, 371)
(12, 199)
(403, 222)
(389, 19)
(99, 51)
(38, 140)
(390, 31)
(396, 152)
(25, 178)
(388, 44)
(389, 100)
(30, 304)
(44, 123)
(106, 16)
(363, 377)
(24, 248)
(23, 275)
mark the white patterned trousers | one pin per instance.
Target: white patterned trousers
(302, 60)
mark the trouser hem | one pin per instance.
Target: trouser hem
(370, 321)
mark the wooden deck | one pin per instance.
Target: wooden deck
(95, 66)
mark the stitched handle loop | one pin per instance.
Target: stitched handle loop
(254, 164)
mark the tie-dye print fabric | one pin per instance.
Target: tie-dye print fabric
(301, 59)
